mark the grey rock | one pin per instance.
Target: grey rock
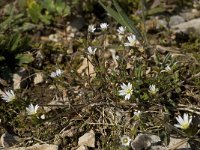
(77, 22)
(37, 147)
(179, 144)
(192, 26)
(142, 141)
(191, 14)
(8, 140)
(175, 20)
(153, 142)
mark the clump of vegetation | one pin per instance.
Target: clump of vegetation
(112, 82)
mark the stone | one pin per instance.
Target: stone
(178, 144)
(82, 148)
(39, 78)
(191, 26)
(175, 20)
(8, 140)
(77, 22)
(37, 147)
(88, 139)
(142, 141)
(153, 142)
(191, 14)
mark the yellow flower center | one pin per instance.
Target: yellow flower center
(185, 125)
(125, 140)
(129, 91)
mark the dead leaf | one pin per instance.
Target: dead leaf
(87, 68)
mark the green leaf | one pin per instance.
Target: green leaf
(5, 24)
(156, 10)
(22, 4)
(14, 42)
(127, 22)
(122, 18)
(167, 58)
(24, 58)
(10, 22)
(62, 9)
(112, 12)
(2, 58)
(145, 96)
(46, 18)
(49, 5)
(27, 26)
(35, 12)
(165, 137)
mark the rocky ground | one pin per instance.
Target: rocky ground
(78, 92)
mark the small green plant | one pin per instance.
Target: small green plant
(14, 51)
(46, 10)
(106, 84)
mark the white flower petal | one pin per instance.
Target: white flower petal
(91, 28)
(190, 120)
(127, 44)
(184, 122)
(8, 96)
(185, 117)
(178, 125)
(57, 73)
(180, 120)
(121, 30)
(104, 26)
(125, 140)
(32, 110)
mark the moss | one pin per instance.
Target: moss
(191, 46)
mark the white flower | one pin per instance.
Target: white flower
(91, 28)
(57, 73)
(126, 90)
(152, 89)
(104, 26)
(125, 140)
(184, 122)
(32, 110)
(132, 41)
(91, 50)
(167, 69)
(137, 113)
(121, 30)
(8, 96)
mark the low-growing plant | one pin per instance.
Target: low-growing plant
(109, 85)
(14, 52)
(46, 10)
